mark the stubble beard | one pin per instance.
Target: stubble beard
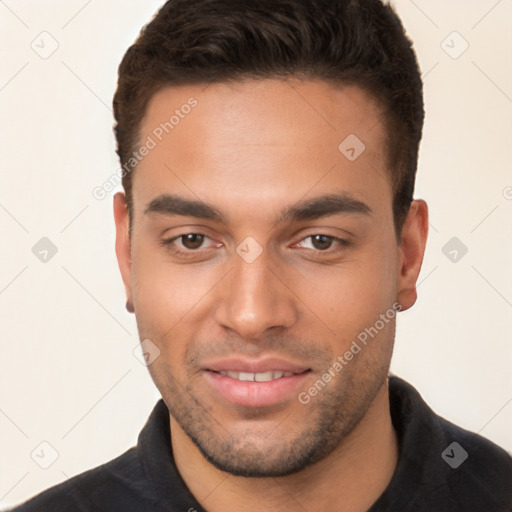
(292, 444)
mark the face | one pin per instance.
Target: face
(260, 252)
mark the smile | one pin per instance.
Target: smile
(256, 377)
(256, 389)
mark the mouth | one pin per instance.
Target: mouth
(260, 384)
(256, 377)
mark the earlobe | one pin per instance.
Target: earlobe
(123, 252)
(411, 251)
(129, 307)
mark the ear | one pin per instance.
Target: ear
(123, 252)
(410, 252)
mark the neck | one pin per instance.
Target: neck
(351, 478)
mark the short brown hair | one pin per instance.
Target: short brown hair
(359, 42)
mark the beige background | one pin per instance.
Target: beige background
(68, 373)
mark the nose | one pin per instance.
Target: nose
(254, 299)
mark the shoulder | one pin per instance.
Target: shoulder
(445, 466)
(91, 490)
(480, 472)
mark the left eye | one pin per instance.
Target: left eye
(323, 242)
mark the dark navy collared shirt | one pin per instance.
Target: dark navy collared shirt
(441, 468)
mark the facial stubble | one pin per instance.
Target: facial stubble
(290, 442)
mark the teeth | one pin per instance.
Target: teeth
(256, 377)
(264, 376)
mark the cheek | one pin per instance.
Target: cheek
(167, 295)
(164, 303)
(377, 271)
(354, 295)
(376, 282)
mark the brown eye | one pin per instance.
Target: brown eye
(324, 244)
(190, 246)
(321, 242)
(192, 240)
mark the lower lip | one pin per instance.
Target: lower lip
(255, 394)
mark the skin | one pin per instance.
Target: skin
(251, 149)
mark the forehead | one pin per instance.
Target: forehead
(269, 137)
(263, 110)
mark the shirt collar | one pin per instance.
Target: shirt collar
(421, 440)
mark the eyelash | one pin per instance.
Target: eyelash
(169, 244)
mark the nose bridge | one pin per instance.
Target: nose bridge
(255, 299)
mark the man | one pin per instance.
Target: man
(267, 239)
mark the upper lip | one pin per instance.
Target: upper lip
(260, 366)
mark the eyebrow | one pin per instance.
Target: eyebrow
(309, 209)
